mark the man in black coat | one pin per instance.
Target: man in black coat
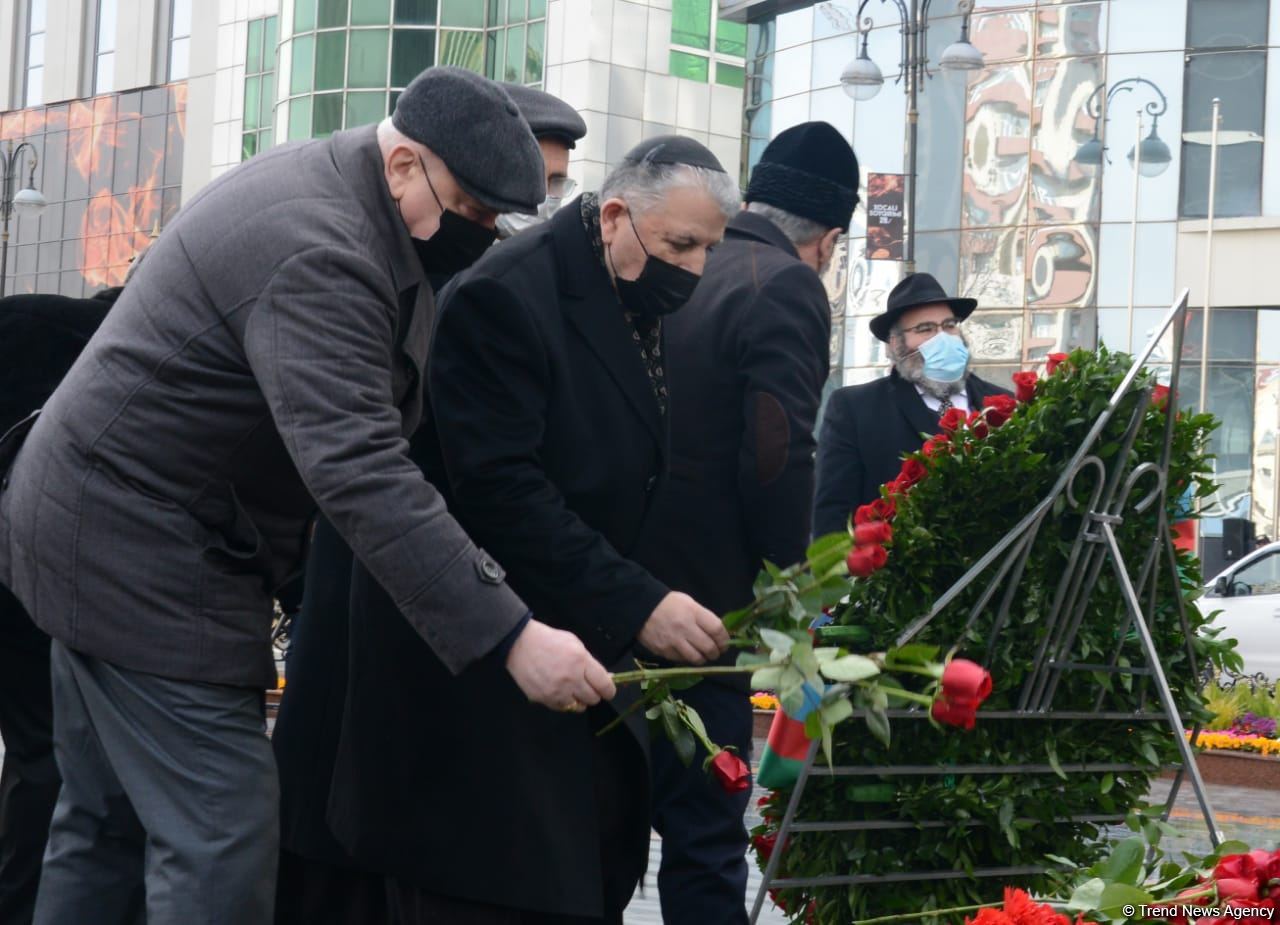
(868, 427)
(40, 337)
(746, 360)
(548, 396)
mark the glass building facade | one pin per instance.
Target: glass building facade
(342, 63)
(1010, 213)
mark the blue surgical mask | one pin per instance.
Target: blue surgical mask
(945, 356)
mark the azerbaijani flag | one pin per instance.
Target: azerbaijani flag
(787, 746)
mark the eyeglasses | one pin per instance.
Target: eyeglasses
(930, 328)
(561, 187)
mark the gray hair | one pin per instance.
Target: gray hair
(799, 231)
(645, 185)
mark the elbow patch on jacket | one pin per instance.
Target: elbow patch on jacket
(773, 438)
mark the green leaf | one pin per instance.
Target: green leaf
(1052, 750)
(1108, 781)
(736, 619)
(766, 679)
(776, 640)
(1125, 863)
(843, 634)
(1149, 753)
(1118, 895)
(850, 668)
(912, 654)
(878, 724)
(1087, 896)
(827, 552)
(836, 712)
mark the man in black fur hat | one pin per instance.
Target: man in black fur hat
(746, 361)
(40, 337)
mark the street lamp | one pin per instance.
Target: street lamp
(1151, 154)
(862, 80)
(27, 201)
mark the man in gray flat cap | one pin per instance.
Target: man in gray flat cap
(264, 360)
(558, 128)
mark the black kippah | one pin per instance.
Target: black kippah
(673, 149)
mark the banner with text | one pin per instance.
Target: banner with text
(885, 215)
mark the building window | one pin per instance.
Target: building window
(104, 48)
(33, 90)
(704, 47)
(179, 39)
(351, 58)
(259, 86)
(1226, 59)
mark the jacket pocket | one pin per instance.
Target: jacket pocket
(231, 531)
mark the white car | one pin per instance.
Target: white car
(1248, 594)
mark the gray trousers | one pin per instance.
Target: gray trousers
(169, 802)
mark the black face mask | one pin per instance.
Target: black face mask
(660, 289)
(457, 243)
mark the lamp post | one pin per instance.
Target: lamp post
(1150, 157)
(862, 80)
(27, 201)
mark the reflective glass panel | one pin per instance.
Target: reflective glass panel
(992, 266)
(462, 13)
(1061, 263)
(690, 67)
(534, 49)
(412, 52)
(1226, 23)
(514, 71)
(994, 336)
(331, 13)
(462, 49)
(300, 118)
(252, 102)
(304, 54)
(268, 100)
(331, 52)
(370, 12)
(1059, 332)
(1268, 335)
(304, 15)
(731, 38)
(367, 66)
(326, 114)
(730, 75)
(691, 23)
(1063, 190)
(416, 12)
(1070, 29)
(270, 36)
(365, 108)
(1230, 397)
(1232, 333)
(1152, 279)
(253, 51)
(997, 130)
(1002, 36)
(1239, 80)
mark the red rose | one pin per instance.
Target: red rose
(764, 844)
(965, 680)
(999, 409)
(936, 445)
(1234, 888)
(896, 487)
(1053, 361)
(1236, 867)
(879, 509)
(950, 422)
(1160, 397)
(731, 772)
(872, 534)
(913, 470)
(864, 561)
(964, 715)
(1026, 385)
(977, 425)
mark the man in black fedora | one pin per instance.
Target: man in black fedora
(869, 427)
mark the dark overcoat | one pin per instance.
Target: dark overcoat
(746, 360)
(265, 359)
(552, 445)
(865, 431)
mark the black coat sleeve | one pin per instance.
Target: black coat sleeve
(783, 358)
(491, 374)
(841, 469)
